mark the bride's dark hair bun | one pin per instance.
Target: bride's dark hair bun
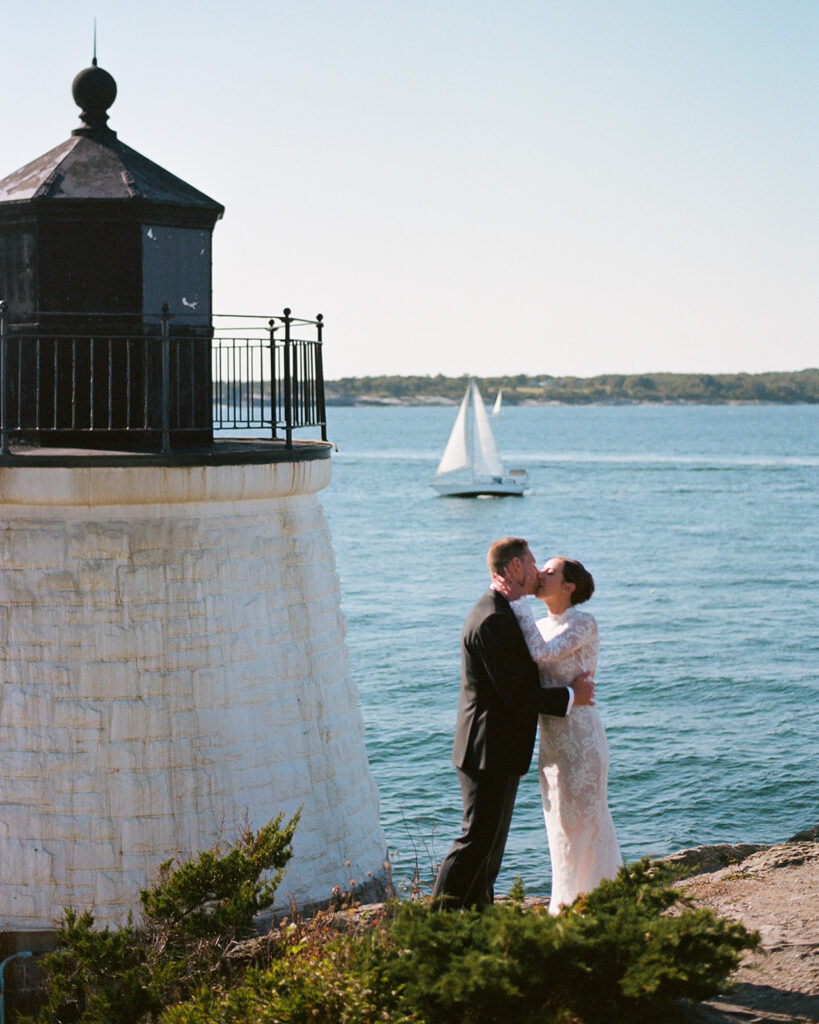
(575, 572)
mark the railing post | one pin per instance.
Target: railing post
(288, 398)
(13, 956)
(4, 438)
(166, 379)
(320, 375)
(271, 325)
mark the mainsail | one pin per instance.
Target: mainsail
(456, 453)
(471, 444)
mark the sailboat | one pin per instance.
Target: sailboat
(496, 408)
(471, 466)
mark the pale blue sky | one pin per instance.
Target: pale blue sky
(488, 187)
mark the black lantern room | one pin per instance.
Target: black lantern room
(105, 272)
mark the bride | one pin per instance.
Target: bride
(573, 759)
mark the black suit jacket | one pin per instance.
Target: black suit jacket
(501, 694)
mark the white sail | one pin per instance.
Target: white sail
(456, 454)
(496, 408)
(485, 458)
(471, 466)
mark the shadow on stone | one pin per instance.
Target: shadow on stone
(756, 1004)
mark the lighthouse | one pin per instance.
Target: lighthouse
(173, 665)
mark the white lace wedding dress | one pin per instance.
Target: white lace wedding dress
(573, 758)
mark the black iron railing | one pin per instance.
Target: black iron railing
(268, 375)
(158, 383)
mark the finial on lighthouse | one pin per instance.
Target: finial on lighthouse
(94, 91)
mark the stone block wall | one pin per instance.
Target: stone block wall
(172, 667)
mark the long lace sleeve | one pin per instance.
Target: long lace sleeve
(577, 632)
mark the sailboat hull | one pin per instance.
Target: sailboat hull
(479, 488)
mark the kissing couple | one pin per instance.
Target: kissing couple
(515, 672)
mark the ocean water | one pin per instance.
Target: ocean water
(700, 525)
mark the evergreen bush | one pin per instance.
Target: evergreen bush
(191, 915)
(629, 951)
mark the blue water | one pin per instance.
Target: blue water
(700, 527)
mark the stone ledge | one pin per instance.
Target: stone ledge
(221, 453)
(246, 473)
(773, 890)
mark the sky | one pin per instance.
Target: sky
(493, 187)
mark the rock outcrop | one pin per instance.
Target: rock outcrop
(773, 890)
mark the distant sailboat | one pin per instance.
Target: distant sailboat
(496, 408)
(471, 465)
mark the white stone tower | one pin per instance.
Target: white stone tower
(172, 655)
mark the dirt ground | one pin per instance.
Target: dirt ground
(773, 890)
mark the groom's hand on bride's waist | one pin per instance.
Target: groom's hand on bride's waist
(583, 687)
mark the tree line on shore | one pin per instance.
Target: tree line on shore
(790, 387)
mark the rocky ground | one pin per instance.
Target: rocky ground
(773, 890)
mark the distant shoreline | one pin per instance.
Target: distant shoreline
(780, 388)
(434, 402)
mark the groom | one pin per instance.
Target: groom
(500, 700)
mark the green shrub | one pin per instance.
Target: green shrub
(220, 894)
(626, 952)
(196, 909)
(629, 951)
(646, 946)
(96, 977)
(617, 954)
(295, 990)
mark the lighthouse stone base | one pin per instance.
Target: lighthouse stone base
(173, 669)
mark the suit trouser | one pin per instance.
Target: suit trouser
(468, 872)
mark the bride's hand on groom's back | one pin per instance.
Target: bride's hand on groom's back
(583, 686)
